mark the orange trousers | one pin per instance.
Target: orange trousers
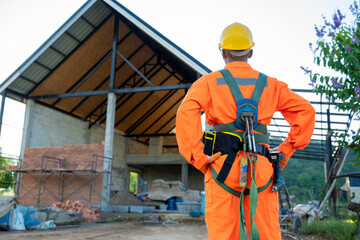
(222, 213)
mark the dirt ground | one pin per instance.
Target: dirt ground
(126, 230)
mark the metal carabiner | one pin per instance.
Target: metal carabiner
(252, 135)
(249, 138)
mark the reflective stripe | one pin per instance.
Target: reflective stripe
(240, 81)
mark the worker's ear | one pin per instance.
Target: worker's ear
(250, 53)
(224, 54)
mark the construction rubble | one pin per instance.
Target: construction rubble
(171, 195)
(88, 215)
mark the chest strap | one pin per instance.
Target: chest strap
(230, 127)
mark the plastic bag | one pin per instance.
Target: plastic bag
(49, 224)
(28, 220)
(17, 220)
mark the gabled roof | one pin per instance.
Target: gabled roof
(70, 72)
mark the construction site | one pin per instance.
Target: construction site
(101, 98)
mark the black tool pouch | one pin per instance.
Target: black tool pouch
(208, 139)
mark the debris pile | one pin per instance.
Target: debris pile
(88, 215)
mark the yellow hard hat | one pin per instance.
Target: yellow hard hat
(236, 36)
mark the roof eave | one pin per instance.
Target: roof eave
(46, 44)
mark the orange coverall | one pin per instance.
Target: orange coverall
(221, 207)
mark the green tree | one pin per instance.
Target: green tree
(304, 179)
(338, 48)
(7, 178)
(133, 182)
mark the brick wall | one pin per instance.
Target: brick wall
(57, 183)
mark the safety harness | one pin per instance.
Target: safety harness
(225, 138)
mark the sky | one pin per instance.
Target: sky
(282, 31)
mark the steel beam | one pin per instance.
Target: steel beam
(134, 68)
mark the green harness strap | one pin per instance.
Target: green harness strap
(234, 192)
(259, 87)
(254, 234)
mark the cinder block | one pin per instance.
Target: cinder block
(96, 207)
(136, 209)
(149, 209)
(121, 209)
(107, 209)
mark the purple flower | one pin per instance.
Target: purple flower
(353, 132)
(355, 40)
(320, 32)
(348, 48)
(337, 18)
(330, 34)
(357, 93)
(357, 90)
(306, 70)
(335, 83)
(341, 17)
(313, 80)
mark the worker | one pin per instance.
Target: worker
(214, 94)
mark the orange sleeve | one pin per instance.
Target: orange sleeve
(188, 123)
(300, 115)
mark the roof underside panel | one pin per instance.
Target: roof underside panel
(79, 60)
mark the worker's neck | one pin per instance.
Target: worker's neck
(229, 60)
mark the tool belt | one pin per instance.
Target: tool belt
(228, 144)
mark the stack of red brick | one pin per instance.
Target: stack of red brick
(59, 186)
(88, 215)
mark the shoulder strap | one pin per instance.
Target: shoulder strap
(260, 84)
(232, 84)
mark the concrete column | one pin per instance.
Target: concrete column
(184, 174)
(108, 148)
(156, 145)
(28, 119)
(25, 141)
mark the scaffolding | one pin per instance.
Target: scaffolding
(55, 182)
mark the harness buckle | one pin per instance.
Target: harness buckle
(246, 108)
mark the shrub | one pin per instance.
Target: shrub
(331, 229)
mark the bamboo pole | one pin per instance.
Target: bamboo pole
(334, 183)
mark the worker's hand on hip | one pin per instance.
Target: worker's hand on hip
(210, 159)
(285, 158)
